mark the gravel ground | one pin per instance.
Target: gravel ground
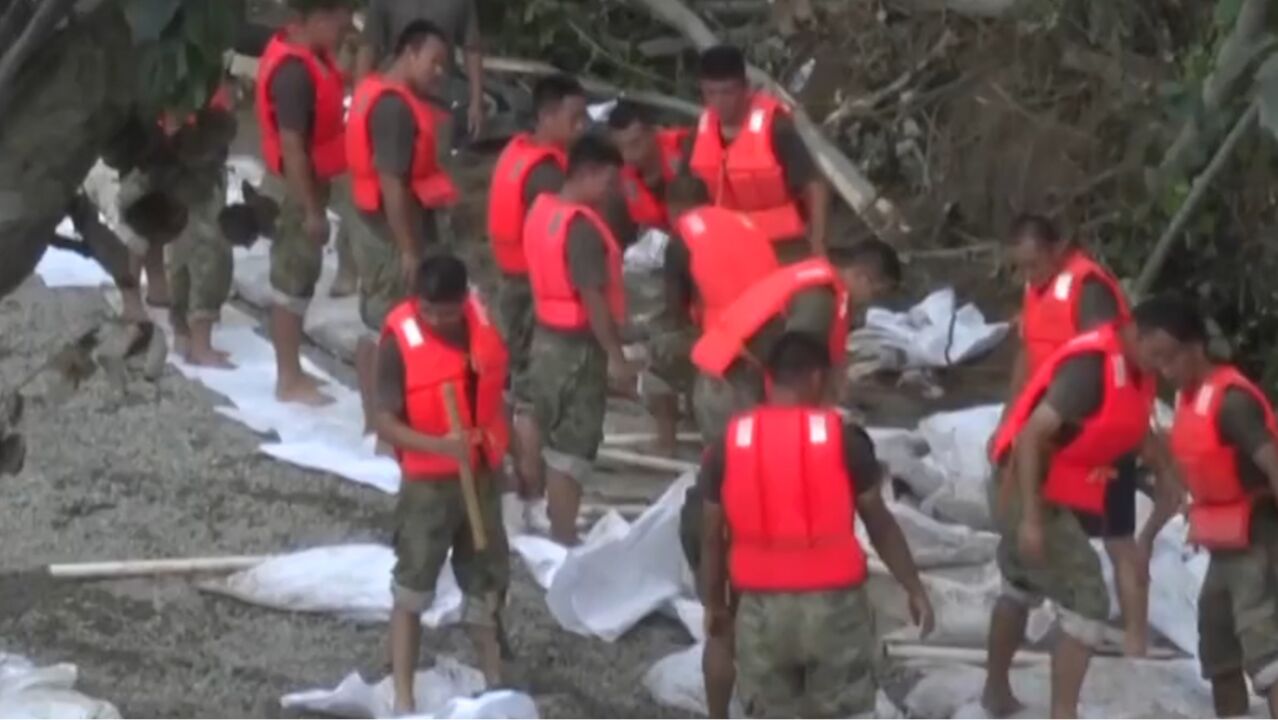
(154, 472)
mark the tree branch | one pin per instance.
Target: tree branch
(38, 31)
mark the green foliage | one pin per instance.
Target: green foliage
(180, 49)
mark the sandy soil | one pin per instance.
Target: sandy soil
(154, 473)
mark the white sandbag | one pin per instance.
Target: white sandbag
(446, 690)
(352, 581)
(937, 544)
(956, 443)
(607, 586)
(60, 268)
(932, 334)
(27, 691)
(647, 254)
(904, 452)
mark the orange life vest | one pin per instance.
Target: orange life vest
(747, 175)
(646, 208)
(1049, 316)
(1220, 515)
(1080, 470)
(724, 341)
(429, 365)
(506, 208)
(556, 302)
(788, 502)
(432, 186)
(727, 253)
(327, 147)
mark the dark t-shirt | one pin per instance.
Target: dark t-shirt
(1241, 423)
(393, 135)
(293, 95)
(1096, 305)
(796, 162)
(858, 458)
(386, 20)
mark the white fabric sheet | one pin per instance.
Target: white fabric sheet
(27, 691)
(931, 334)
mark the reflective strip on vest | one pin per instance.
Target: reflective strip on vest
(1049, 317)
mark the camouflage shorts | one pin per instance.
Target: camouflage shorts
(806, 654)
(670, 370)
(568, 378)
(515, 318)
(296, 260)
(199, 264)
(1238, 607)
(377, 258)
(715, 401)
(1070, 576)
(430, 520)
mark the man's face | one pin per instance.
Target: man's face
(637, 144)
(1037, 261)
(596, 183)
(566, 121)
(426, 65)
(443, 318)
(864, 285)
(328, 28)
(728, 98)
(1174, 359)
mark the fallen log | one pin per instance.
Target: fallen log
(175, 566)
(880, 213)
(647, 462)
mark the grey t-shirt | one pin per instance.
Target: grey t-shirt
(293, 95)
(393, 135)
(1241, 423)
(1096, 305)
(386, 20)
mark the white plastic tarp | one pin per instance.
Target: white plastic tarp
(931, 334)
(447, 690)
(27, 691)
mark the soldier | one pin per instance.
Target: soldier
(748, 153)
(652, 157)
(397, 183)
(1225, 441)
(1086, 405)
(574, 265)
(531, 164)
(792, 572)
(442, 337)
(300, 96)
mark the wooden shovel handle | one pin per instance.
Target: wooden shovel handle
(470, 493)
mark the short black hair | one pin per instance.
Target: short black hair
(796, 356)
(722, 62)
(687, 189)
(416, 34)
(1175, 316)
(552, 90)
(626, 113)
(592, 152)
(308, 7)
(442, 278)
(873, 255)
(1036, 227)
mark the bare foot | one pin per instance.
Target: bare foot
(1001, 704)
(158, 299)
(209, 358)
(302, 392)
(1135, 644)
(343, 286)
(182, 345)
(312, 380)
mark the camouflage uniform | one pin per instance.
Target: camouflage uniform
(296, 259)
(806, 654)
(515, 319)
(670, 370)
(200, 263)
(1238, 606)
(568, 380)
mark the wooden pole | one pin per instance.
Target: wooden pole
(647, 462)
(632, 439)
(470, 493)
(175, 566)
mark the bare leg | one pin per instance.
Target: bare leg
(292, 385)
(1229, 695)
(563, 495)
(157, 280)
(131, 307)
(405, 639)
(200, 350)
(1069, 666)
(488, 648)
(1272, 696)
(665, 412)
(527, 448)
(366, 372)
(719, 670)
(1132, 581)
(1007, 632)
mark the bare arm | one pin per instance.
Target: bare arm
(1169, 489)
(816, 198)
(714, 557)
(298, 173)
(393, 431)
(1028, 456)
(602, 323)
(1266, 458)
(888, 540)
(400, 212)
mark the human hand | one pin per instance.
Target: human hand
(475, 119)
(408, 264)
(921, 611)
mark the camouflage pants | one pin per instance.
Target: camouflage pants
(296, 259)
(1238, 607)
(716, 400)
(1070, 576)
(199, 264)
(377, 258)
(670, 370)
(515, 318)
(430, 520)
(568, 377)
(806, 655)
